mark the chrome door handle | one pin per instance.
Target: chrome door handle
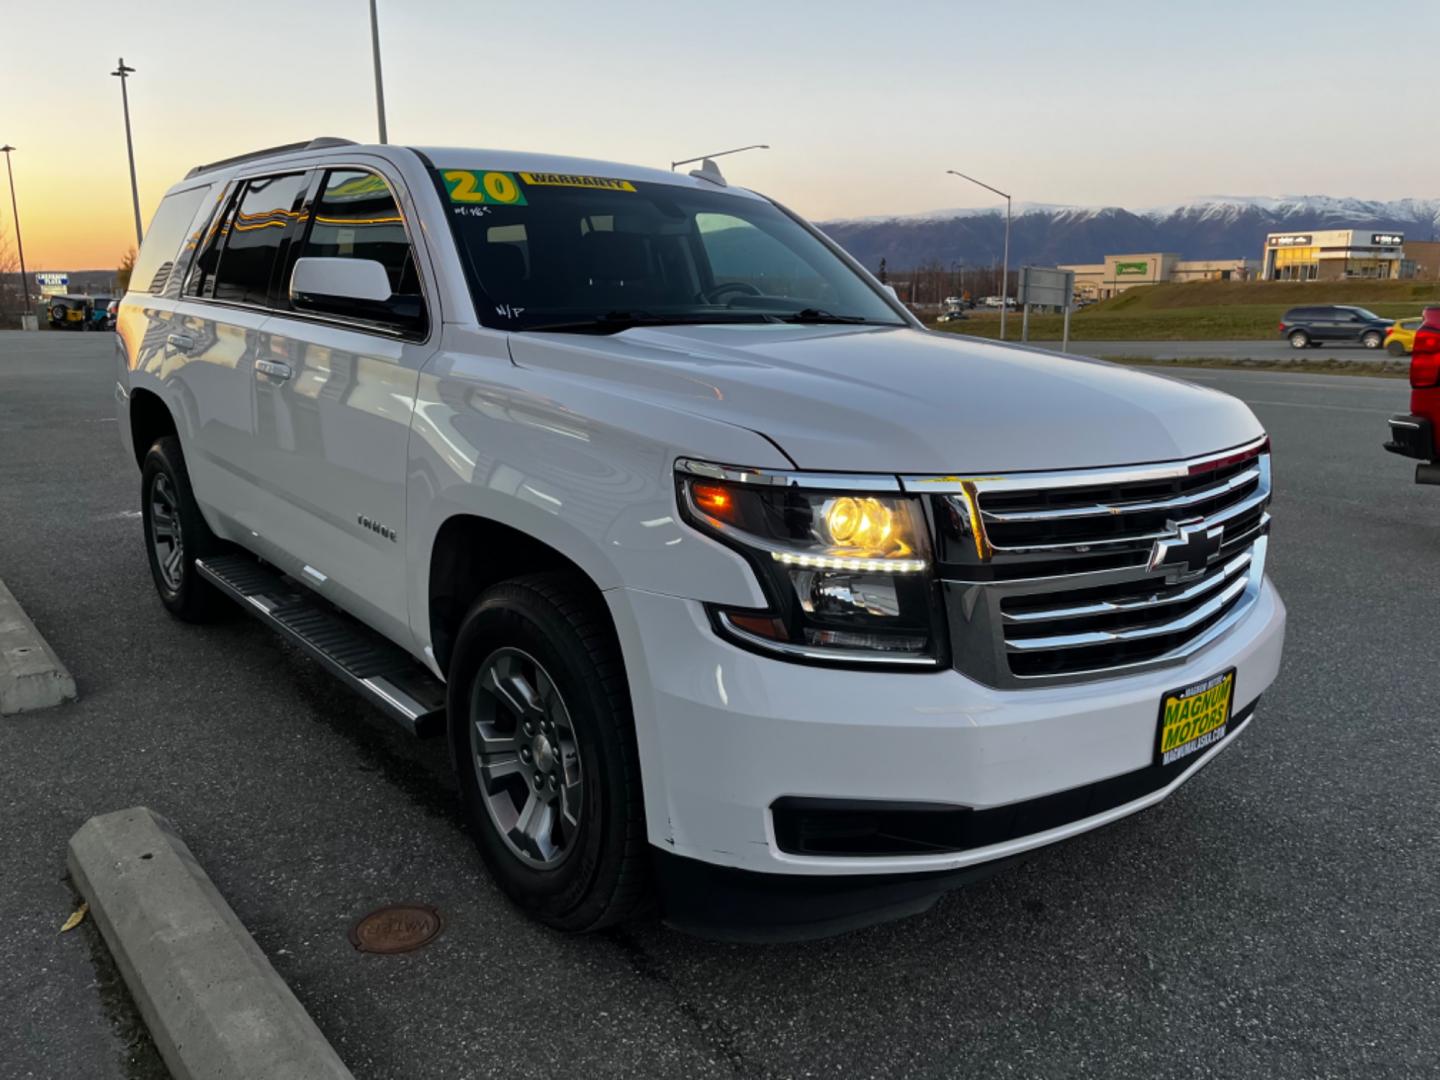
(180, 342)
(274, 368)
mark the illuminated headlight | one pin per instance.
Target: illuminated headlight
(847, 573)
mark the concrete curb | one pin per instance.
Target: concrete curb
(31, 675)
(214, 1005)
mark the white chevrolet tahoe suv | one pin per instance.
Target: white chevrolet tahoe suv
(732, 588)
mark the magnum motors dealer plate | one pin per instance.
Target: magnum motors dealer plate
(1194, 717)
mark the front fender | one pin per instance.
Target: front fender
(574, 464)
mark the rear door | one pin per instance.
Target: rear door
(334, 397)
(214, 340)
(1322, 324)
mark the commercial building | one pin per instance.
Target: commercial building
(1096, 281)
(1422, 260)
(1333, 254)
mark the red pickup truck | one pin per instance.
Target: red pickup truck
(1413, 434)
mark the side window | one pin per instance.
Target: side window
(357, 217)
(263, 218)
(161, 248)
(201, 281)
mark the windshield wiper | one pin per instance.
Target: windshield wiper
(816, 315)
(614, 321)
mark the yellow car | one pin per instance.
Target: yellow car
(1400, 338)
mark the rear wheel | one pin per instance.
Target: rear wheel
(1395, 349)
(176, 535)
(544, 748)
(1372, 339)
(1299, 339)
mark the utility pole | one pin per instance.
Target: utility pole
(19, 242)
(124, 73)
(379, 82)
(1005, 271)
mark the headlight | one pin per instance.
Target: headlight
(847, 571)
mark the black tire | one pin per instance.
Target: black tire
(1372, 339)
(603, 877)
(1395, 349)
(185, 594)
(1299, 339)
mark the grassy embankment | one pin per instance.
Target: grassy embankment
(1207, 310)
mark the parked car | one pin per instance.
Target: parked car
(97, 313)
(730, 587)
(66, 312)
(1401, 336)
(1413, 434)
(1314, 326)
(952, 316)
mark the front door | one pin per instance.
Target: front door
(333, 402)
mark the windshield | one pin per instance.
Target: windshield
(592, 254)
(1367, 314)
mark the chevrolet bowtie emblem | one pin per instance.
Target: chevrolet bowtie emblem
(1190, 550)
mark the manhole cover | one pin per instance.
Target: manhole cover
(396, 928)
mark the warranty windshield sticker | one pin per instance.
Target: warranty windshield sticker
(494, 188)
(599, 183)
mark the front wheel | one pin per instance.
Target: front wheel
(1372, 339)
(1299, 339)
(543, 742)
(176, 535)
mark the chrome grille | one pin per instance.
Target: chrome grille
(1085, 574)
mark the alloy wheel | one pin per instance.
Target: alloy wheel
(165, 536)
(526, 758)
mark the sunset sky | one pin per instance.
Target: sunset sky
(865, 104)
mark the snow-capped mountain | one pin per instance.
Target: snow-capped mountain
(1218, 227)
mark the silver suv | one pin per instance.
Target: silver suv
(731, 586)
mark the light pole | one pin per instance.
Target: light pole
(379, 82)
(123, 73)
(705, 157)
(1005, 268)
(15, 213)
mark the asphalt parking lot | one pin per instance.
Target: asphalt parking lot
(1276, 918)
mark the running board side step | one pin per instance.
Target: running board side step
(378, 670)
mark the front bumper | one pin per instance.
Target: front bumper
(725, 734)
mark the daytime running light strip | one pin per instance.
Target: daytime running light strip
(840, 562)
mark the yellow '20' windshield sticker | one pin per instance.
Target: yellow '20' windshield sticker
(493, 188)
(598, 183)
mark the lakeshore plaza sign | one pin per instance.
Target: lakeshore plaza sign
(52, 283)
(1141, 268)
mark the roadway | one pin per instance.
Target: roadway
(1276, 918)
(1225, 350)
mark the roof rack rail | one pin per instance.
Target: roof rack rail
(314, 144)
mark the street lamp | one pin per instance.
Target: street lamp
(19, 243)
(123, 73)
(379, 83)
(1005, 270)
(705, 157)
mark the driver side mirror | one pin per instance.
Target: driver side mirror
(353, 289)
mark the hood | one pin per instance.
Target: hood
(900, 400)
